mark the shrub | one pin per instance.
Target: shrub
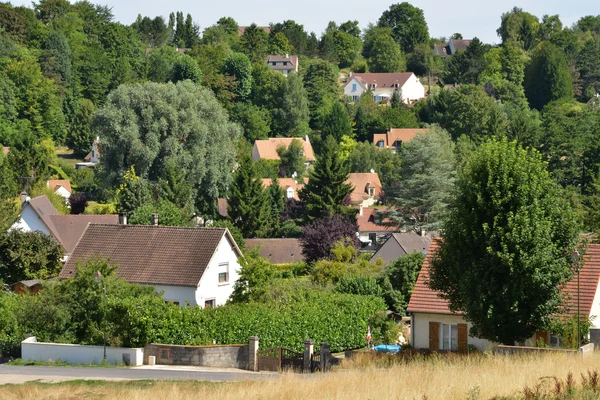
(361, 285)
(78, 203)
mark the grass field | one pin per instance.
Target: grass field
(474, 377)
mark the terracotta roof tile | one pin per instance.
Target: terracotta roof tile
(278, 251)
(361, 182)
(366, 222)
(286, 183)
(55, 183)
(158, 255)
(401, 134)
(267, 148)
(383, 79)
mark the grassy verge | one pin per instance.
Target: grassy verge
(479, 376)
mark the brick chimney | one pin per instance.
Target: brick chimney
(155, 219)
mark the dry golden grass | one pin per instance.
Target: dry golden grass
(477, 377)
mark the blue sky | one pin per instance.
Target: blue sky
(472, 18)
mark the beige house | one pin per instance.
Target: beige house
(435, 327)
(283, 63)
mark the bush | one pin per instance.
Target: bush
(361, 285)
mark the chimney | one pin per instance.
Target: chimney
(24, 198)
(122, 218)
(155, 219)
(287, 55)
(372, 171)
(360, 211)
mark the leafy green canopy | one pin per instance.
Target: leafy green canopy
(154, 126)
(507, 244)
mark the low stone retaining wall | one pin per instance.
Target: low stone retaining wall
(501, 349)
(217, 356)
(32, 350)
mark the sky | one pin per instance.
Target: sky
(471, 18)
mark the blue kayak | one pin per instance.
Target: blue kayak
(387, 348)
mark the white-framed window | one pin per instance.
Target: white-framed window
(354, 87)
(223, 273)
(371, 192)
(380, 144)
(209, 303)
(449, 337)
(373, 238)
(290, 193)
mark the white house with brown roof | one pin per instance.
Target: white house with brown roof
(61, 187)
(195, 266)
(38, 214)
(394, 138)
(383, 86)
(267, 149)
(283, 63)
(435, 327)
(372, 228)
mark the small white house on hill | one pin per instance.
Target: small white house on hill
(198, 266)
(383, 86)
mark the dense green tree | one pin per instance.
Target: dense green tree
(407, 23)
(133, 193)
(267, 87)
(79, 135)
(153, 32)
(8, 193)
(326, 190)
(150, 125)
(169, 214)
(295, 33)
(277, 197)
(186, 67)
(253, 43)
(337, 123)
(514, 59)
(29, 255)
(248, 205)
(239, 67)
(161, 63)
(507, 244)
(467, 66)
(428, 171)
(547, 76)
(366, 157)
(279, 44)
(588, 63)
(420, 61)
(320, 82)
(292, 159)
(520, 26)
(402, 275)
(385, 55)
(256, 121)
(292, 118)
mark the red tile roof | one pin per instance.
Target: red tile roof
(394, 134)
(361, 182)
(286, 183)
(425, 300)
(55, 183)
(366, 222)
(267, 148)
(156, 255)
(71, 227)
(277, 251)
(383, 79)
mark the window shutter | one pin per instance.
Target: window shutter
(462, 338)
(434, 335)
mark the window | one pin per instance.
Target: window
(371, 192)
(449, 337)
(397, 144)
(373, 238)
(380, 144)
(224, 273)
(290, 193)
(210, 303)
(285, 63)
(354, 87)
(172, 302)
(273, 63)
(373, 85)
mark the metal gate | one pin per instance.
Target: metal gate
(279, 358)
(315, 362)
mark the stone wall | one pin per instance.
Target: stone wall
(217, 356)
(524, 349)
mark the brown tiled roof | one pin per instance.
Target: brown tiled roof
(424, 299)
(267, 148)
(156, 255)
(366, 222)
(460, 44)
(44, 209)
(441, 50)
(71, 227)
(241, 29)
(402, 134)
(383, 80)
(411, 241)
(277, 251)
(55, 183)
(286, 183)
(361, 181)
(292, 60)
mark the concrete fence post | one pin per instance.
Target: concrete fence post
(309, 346)
(253, 353)
(325, 354)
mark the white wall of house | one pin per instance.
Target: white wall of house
(31, 350)
(420, 330)
(178, 294)
(61, 191)
(413, 89)
(224, 260)
(595, 311)
(30, 221)
(353, 89)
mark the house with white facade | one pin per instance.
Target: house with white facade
(435, 327)
(283, 63)
(195, 266)
(383, 86)
(61, 187)
(39, 214)
(92, 158)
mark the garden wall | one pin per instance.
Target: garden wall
(31, 350)
(218, 356)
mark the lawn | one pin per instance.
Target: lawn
(439, 377)
(67, 156)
